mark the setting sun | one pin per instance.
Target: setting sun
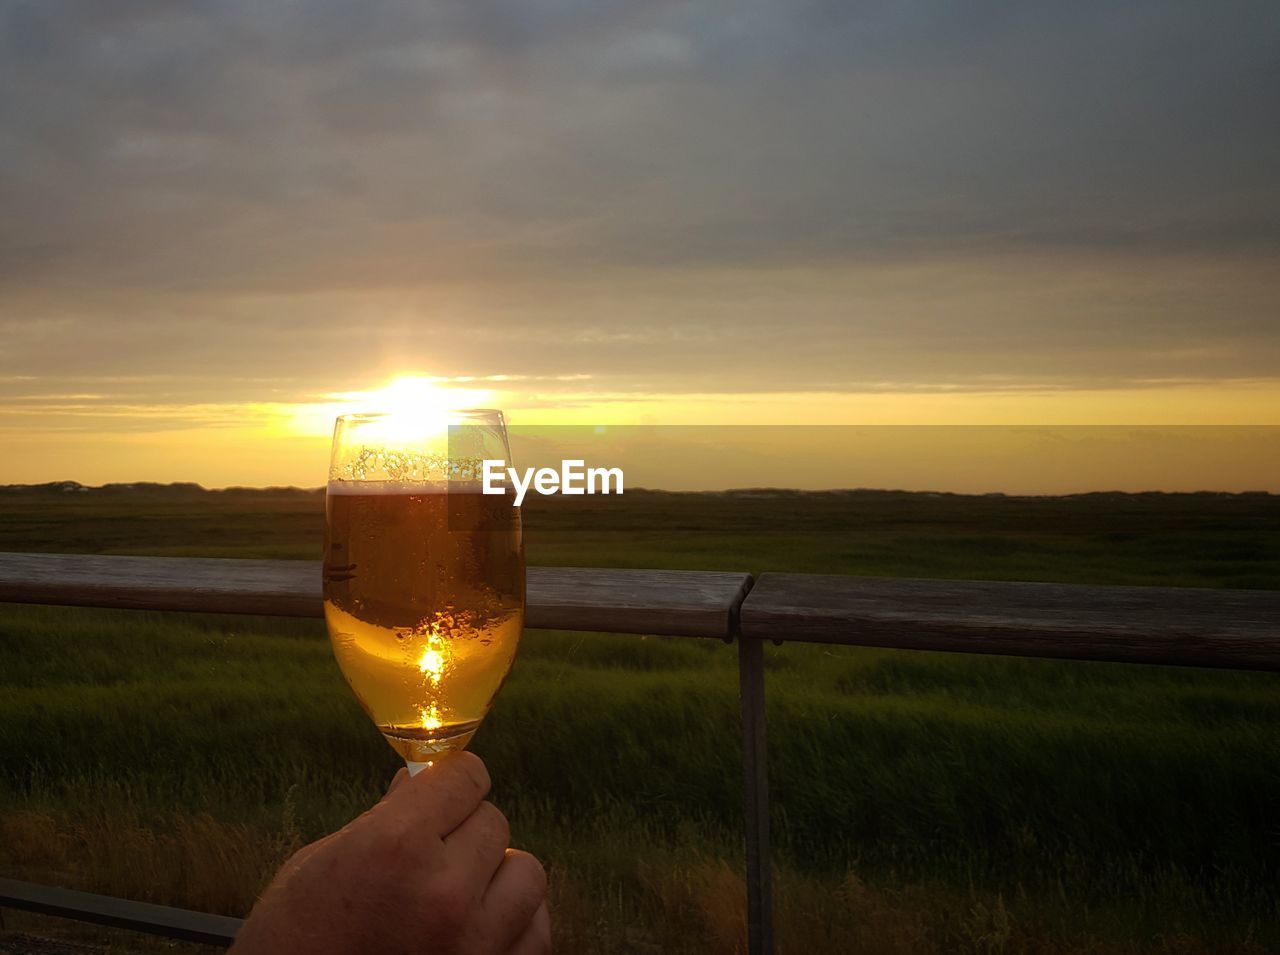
(405, 398)
(416, 394)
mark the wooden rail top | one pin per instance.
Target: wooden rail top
(121, 913)
(1195, 627)
(685, 603)
(1178, 625)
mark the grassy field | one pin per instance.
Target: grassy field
(922, 802)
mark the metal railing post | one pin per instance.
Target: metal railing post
(755, 765)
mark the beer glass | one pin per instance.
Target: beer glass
(424, 578)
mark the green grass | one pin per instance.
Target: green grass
(1193, 540)
(922, 802)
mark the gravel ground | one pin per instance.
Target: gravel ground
(113, 943)
(22, 944)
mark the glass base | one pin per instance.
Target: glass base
(418, 747)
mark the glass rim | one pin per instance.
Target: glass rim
(450, 413)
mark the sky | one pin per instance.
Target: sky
(224, 223)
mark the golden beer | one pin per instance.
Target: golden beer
(424, 596)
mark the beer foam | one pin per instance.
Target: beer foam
(371, 464)
(402, 488)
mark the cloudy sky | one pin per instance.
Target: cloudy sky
(222, 220)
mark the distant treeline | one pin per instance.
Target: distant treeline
(148, 487)
(191, 487)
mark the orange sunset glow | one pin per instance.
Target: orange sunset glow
(642, 228)
(742, 477)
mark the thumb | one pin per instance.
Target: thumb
(398, 780)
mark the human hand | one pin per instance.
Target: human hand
(425, 870)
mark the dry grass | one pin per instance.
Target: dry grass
(703, 910)
(194, 862)
(201, 863)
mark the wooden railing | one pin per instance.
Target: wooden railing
(1189, 627)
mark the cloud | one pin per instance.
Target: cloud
(822, 195)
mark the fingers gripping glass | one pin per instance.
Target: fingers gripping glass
(424, 577)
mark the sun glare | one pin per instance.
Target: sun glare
(412, 402)
(410, 396)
